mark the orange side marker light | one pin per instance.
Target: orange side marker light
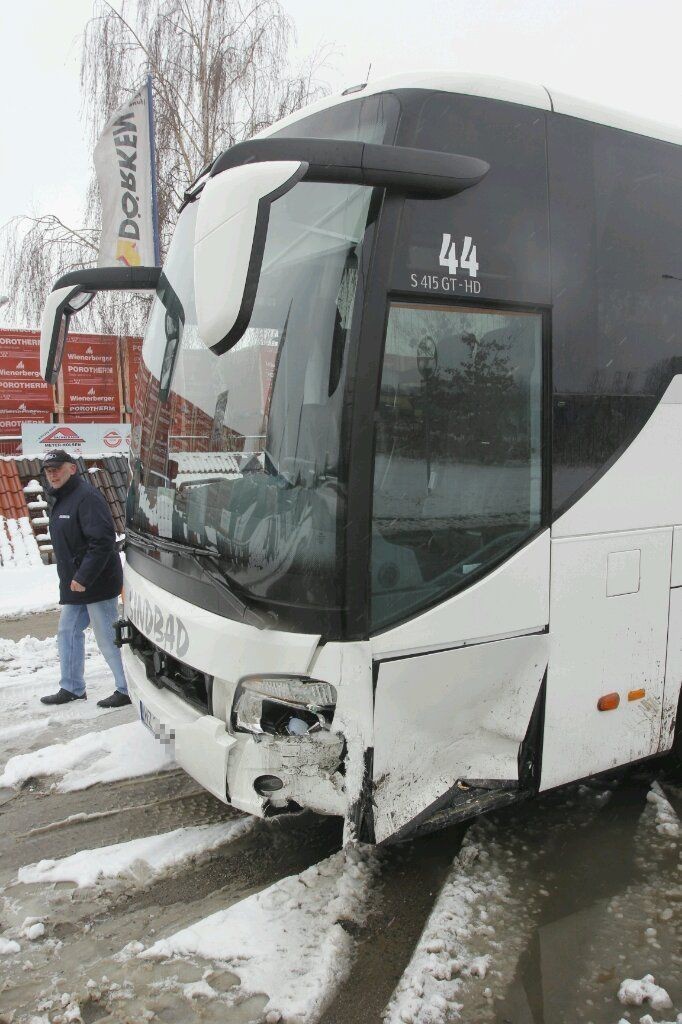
(608, 702)
(636, 694)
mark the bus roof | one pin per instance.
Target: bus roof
(504, 89)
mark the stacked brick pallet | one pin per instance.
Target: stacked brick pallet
(24, 395)
(96, 383)
(12, 500)
(89, 386)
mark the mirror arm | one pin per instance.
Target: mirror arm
(110, 279)
(422, 173)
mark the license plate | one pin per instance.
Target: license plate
(150, 720)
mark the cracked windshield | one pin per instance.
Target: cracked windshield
(239, 453)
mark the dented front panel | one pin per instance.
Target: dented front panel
(457, 716)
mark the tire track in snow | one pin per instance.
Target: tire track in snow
(85, 927)
(512, 877)
(292, 942)
(121, 752)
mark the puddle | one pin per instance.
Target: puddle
(611, 909)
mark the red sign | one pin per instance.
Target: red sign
(86, 373)
(20, 342)
(91, 393)
(15, 365)
(20, 380)
(90, 360)
(35, 393)
(89, 385)
(18, 405)
(10, 423)
(94, 417)
(91, 349)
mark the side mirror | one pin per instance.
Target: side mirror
(71, 293)
(234, 208)
(229, 241)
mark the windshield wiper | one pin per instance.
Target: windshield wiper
(200, 556)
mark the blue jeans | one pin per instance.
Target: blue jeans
(101, 615)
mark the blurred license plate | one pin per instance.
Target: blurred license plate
(150, 720)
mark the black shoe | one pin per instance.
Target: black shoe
(62, 696)
(117, 700)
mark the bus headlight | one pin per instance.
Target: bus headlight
(282, 705)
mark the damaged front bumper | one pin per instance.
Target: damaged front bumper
(260, 774)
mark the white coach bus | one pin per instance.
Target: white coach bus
(405, 524)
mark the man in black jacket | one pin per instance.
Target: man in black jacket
(90, 579)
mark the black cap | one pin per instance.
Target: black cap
(57, 457)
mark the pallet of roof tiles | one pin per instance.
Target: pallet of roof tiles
(28, 469)
(12, 500)
(39, 509)
(18, 546)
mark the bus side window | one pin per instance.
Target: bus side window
(457, 474)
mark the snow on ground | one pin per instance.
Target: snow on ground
(27, 589)
(148, 856)
(648, 1019)
(123, 752)
(636, 926)
(18, 546)
(667, 822)
(634, 992)
(291, 941)
(8, 946)
(449, 952)
(29, 668)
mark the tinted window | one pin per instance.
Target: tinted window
(371, 119)
(457, 474)
(505, 215)
(616, 215)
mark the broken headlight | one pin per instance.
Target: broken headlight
(282, 705)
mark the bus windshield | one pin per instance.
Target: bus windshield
(240, 454)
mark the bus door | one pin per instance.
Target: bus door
(459, 558)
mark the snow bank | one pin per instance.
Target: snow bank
(123, 752)
(150, 855)
(667, 822)
(289, 941)
(28, 588)
(634, 992)
(445, 956)
(30, 668)
(18, 546)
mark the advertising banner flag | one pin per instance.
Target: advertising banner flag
(124, 162)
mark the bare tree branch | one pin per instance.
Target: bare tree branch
(220, 72)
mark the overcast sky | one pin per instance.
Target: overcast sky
(623, 53)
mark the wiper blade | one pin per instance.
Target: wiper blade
(200, 556)
(215, 575)
(154, 543)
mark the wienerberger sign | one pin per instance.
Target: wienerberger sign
(89, 439)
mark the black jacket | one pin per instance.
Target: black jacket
(84, 541)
